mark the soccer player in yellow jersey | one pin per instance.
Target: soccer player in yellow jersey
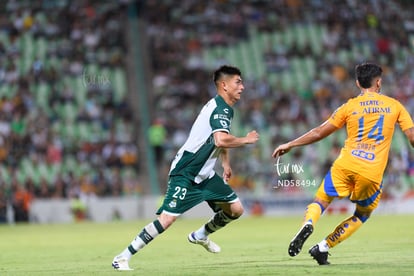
(370, 120)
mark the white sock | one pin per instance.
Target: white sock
(126, 254)
(137, 243)
(150, 231)
(323, 246)
(201, 234)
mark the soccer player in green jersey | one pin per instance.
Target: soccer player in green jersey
(192, 178)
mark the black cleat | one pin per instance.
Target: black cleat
(297, 242)
(320, 257)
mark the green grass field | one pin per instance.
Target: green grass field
(250, 246)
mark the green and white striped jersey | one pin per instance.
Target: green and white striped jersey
(197, 157)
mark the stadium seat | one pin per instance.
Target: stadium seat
(41, 94)
(5, 174)
(41, 48)
(120, 85)
(7, 90)
(28, 52)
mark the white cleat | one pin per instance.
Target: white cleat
(207, 243)
(120, 263)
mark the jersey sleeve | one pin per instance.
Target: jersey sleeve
(220, 119)
(338, 118)
(404, 120)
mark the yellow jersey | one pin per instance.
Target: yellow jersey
(370, 120)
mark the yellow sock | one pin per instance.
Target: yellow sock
(313, 213)
(343, 231)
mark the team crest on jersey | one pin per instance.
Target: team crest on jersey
(173, 204)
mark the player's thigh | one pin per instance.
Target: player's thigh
(366, 195)
(218, 193)
(182, 194)
(336, 184)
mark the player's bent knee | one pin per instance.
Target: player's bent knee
(236, 210)
(324, 203)
(364, 212)
(362, 216)
(238, 213)
(166, 220)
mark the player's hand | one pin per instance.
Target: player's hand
(280, 150)
(252, 137)
(227, 172)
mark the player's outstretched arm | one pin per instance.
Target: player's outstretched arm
(226, 140)
(312, 136)
(410, 135)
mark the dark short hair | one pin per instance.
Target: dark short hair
(226, 70)
(366, 72)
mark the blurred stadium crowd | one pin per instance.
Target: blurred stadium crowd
(65, 125)
(66, 129)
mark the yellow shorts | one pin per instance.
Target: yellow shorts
(340, 183)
